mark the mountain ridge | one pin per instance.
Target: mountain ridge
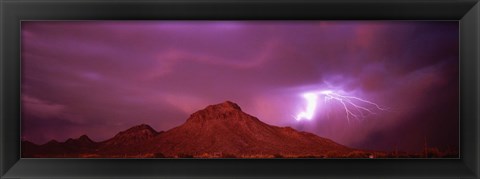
(219, 130)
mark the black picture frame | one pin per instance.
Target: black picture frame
(467, 12)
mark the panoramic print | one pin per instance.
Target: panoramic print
(240, 89)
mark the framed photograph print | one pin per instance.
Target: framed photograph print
(239, 89)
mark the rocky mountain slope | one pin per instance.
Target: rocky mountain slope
(221, 130)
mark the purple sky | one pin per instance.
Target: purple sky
(102, 77)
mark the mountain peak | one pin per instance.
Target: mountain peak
(225, 106)
(229, 104)
(52, 142)
(141, 131)
(226, 111)
(225, 128)
(141, 127)
(84, 138)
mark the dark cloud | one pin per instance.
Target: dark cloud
(98, 78)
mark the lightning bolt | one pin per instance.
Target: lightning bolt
(354, 107)
(311, 99)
